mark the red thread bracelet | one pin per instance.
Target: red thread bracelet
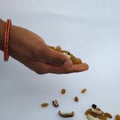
(6, 39)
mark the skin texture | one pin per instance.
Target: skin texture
(32, 51)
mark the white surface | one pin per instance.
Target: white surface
(89, 29)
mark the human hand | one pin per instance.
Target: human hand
(31, 50)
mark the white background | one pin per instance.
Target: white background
(90, 29)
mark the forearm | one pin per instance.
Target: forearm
(2, 27)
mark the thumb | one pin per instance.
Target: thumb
(56, 58)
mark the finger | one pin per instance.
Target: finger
(56, 58)
(62, 70)
(72, 69)
(78, 68)
(42, 68)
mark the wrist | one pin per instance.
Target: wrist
(2, 29)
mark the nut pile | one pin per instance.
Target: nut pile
(95, 112)
(74, 59)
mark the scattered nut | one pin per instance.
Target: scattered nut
(63, 91)
(90, 117)
(66, 115)
(97, 111)
(102, 117)
(83, 90)
(76, 99)
(108, 115)
(92, 113)
(55, 103)
(117, 117)
(44, 104)
(88, 111)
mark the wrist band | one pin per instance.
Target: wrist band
(6, 39)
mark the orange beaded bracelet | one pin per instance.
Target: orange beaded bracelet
(6, 39)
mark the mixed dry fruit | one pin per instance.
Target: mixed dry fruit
(95, 112)
(74, 59)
